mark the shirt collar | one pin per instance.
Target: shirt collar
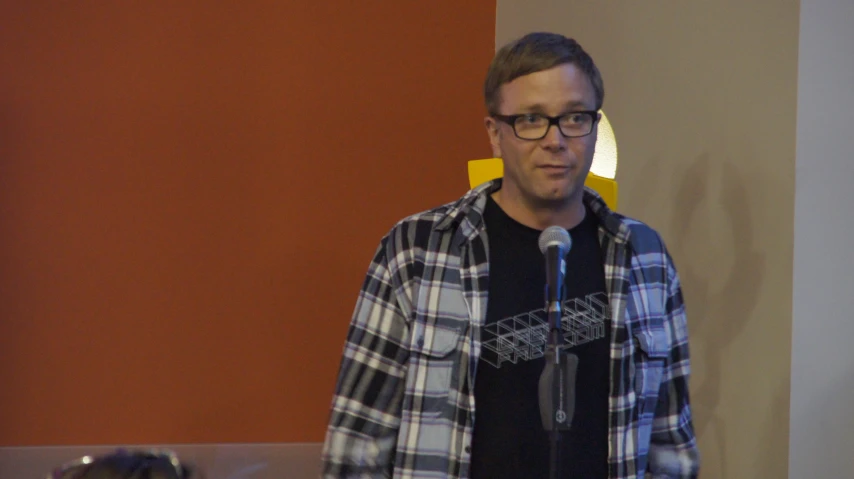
(468, 211)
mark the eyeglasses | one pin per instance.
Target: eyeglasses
(535, 126)
(79, 467)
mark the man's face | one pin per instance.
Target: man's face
(549, 172)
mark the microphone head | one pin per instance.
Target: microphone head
(555, 236)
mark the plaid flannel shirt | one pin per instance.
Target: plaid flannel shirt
(404, 402)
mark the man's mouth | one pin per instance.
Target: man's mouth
(555, 168)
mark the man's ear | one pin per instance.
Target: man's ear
(494, 135)
(595, 131)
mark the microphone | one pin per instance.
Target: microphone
(556, 389)
(555, 244)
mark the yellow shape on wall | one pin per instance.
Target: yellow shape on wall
(481, 171)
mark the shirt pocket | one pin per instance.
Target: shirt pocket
(653, 348)
(434, 365)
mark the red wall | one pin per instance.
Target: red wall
(190, 194)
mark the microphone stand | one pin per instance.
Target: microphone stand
(557, 384)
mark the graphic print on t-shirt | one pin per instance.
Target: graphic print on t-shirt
(523, 337)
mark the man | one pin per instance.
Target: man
(444, 353)
(125, 464)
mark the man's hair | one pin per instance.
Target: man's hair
(124, 464)
(534, 53)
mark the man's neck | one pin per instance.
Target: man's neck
(567, 215)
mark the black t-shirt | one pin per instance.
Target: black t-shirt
(509, 439)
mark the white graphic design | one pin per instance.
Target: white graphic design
(523, 337)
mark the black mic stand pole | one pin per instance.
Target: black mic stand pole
(557, 384)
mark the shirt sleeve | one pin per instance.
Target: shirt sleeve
(673, 449)
(365, 413)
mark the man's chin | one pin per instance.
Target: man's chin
(555, 199)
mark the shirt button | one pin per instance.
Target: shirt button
(468, 449)
(420, 341)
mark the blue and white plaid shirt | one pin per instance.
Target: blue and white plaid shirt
(404, 402)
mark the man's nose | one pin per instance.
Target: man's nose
(554, 139)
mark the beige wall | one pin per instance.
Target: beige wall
(702, 98)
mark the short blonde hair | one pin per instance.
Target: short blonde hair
(533, 53)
